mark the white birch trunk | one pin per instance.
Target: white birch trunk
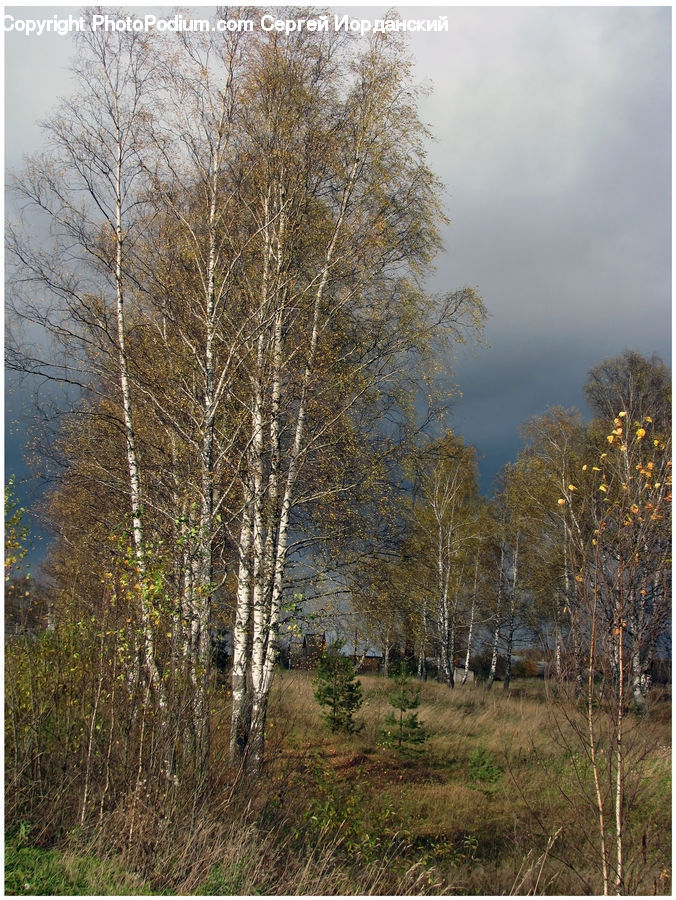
(498, 614)
(512, 615)
(269, 553)
(494, 656)
(619, 763)
(471, 620)
(240, 641)
(148, 648)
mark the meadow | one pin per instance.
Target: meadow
(497, 800)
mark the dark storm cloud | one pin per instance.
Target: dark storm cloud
(552, 130)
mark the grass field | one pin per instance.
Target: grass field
(497, 800)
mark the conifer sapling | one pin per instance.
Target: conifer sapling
(337, 690)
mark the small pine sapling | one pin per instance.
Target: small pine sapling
(337, 690)
(402, 728)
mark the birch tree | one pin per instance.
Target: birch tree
(636, 393)
(479, 581)
(448, 529)
(196, 324)
(555, 445)
(347, 215)
(88, 187)
(495, 605)
(622, 557)
(242, 226)
(638, 385)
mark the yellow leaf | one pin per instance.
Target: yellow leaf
(622, 415)
(584, 467)
(602, 487)
(571, 487)
(561, 501)
(640, 433)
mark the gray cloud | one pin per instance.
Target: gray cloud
(553, 138)
(552, 130)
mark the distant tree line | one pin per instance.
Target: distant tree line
(575, 538)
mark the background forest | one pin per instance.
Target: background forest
(228, 275)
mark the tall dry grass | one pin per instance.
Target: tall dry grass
(492, 804)
(500, 798)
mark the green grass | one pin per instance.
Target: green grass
(32, 870)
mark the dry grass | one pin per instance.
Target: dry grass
(488, 806)
(492, 790)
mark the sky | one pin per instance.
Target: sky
(553, 138)
(552, 135)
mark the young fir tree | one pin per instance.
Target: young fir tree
(337, 690)
(402, 728)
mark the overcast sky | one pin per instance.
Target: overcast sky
(552, 130)
(553, 138)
